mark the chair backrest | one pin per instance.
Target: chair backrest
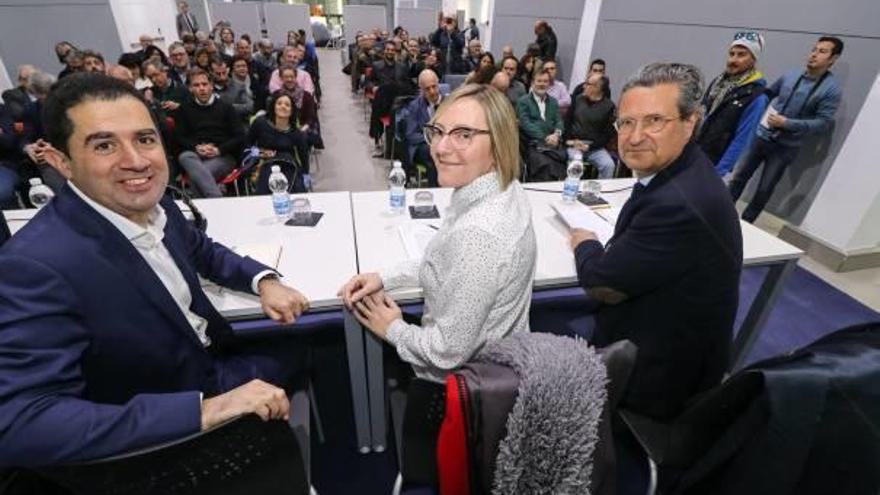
(244, 456)
(4, 229)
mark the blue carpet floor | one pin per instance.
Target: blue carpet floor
(807, 309)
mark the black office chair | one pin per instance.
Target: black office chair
(4, 229)
(243, 456)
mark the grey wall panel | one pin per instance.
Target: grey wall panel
(281, 18)
(388, 23)
(436, 5)
(519, 32)
(418, 22)
(30, 29)
(626, 45)
(244, 17)
(363, 18)
(848, 17)
(547, 10)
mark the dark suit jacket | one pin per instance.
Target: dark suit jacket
(16, 99)
(183, 27)
(677, 254)
(95, 356)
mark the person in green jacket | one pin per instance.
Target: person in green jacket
(541, 129)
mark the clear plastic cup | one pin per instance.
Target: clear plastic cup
(301, 210)
(593, 187)
(424, 202)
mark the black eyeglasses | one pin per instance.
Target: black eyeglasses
(459, 137)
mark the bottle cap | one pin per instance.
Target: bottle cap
(35, 181)
(276, 168)
(397, 164)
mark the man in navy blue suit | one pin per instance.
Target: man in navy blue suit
(107, 342)
(668, 279)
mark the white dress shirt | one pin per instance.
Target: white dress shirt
(542, 104)
(476, 276)
(148, 242)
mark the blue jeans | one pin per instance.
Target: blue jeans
(603, 162)
(9, 179)
(775, 158)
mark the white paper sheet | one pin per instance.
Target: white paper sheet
(578, 216)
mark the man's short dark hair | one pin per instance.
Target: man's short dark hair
(74, 90)
(837, 42)
(598, 61)
(92, 54)
(240, 58)
(195, 72)
(129, 60)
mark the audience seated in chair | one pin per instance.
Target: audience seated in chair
(541, 129)
(238, 95)
(418, 113)
(279, 138)
(590, 125)
(210, 134)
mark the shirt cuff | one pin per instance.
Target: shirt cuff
(395, 331)
(255, 283)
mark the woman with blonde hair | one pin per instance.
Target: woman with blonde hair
(477, 272)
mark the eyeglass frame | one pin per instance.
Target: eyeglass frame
(666, 120)
(442, 134)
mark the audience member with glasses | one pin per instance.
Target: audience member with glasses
(668, 279)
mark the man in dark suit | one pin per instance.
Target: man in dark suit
(107, 341)
(186, 22)
(17, 98)
(418, 113)
(668, 279)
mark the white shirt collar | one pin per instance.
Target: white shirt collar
(139, 236)
(647, 179)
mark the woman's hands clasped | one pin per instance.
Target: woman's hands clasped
(363, 295)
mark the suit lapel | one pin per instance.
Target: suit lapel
(124, 257)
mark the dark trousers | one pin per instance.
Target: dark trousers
(422, 155)
(775, 158)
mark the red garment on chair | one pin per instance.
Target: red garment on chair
(453, 455)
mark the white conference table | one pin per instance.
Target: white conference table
(316, 260)
(379, 245)
(359, 234)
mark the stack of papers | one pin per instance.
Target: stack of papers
(415, 238)
(578, 216)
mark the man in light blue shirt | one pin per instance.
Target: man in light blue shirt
(805, 104)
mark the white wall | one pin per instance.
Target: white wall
(584, 53)
(5, 81)
(846, 211)
(136, 17)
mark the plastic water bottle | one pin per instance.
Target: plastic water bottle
(572, 185)
(396, 190)
(280, 197)
(39, 194)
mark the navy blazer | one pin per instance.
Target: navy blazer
(417, 117)
(96, 358)
(676, 254)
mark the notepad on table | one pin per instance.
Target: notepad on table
(578, 216)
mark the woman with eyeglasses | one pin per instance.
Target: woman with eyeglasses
(476, 274)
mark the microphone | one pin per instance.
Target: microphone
(198, 220)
